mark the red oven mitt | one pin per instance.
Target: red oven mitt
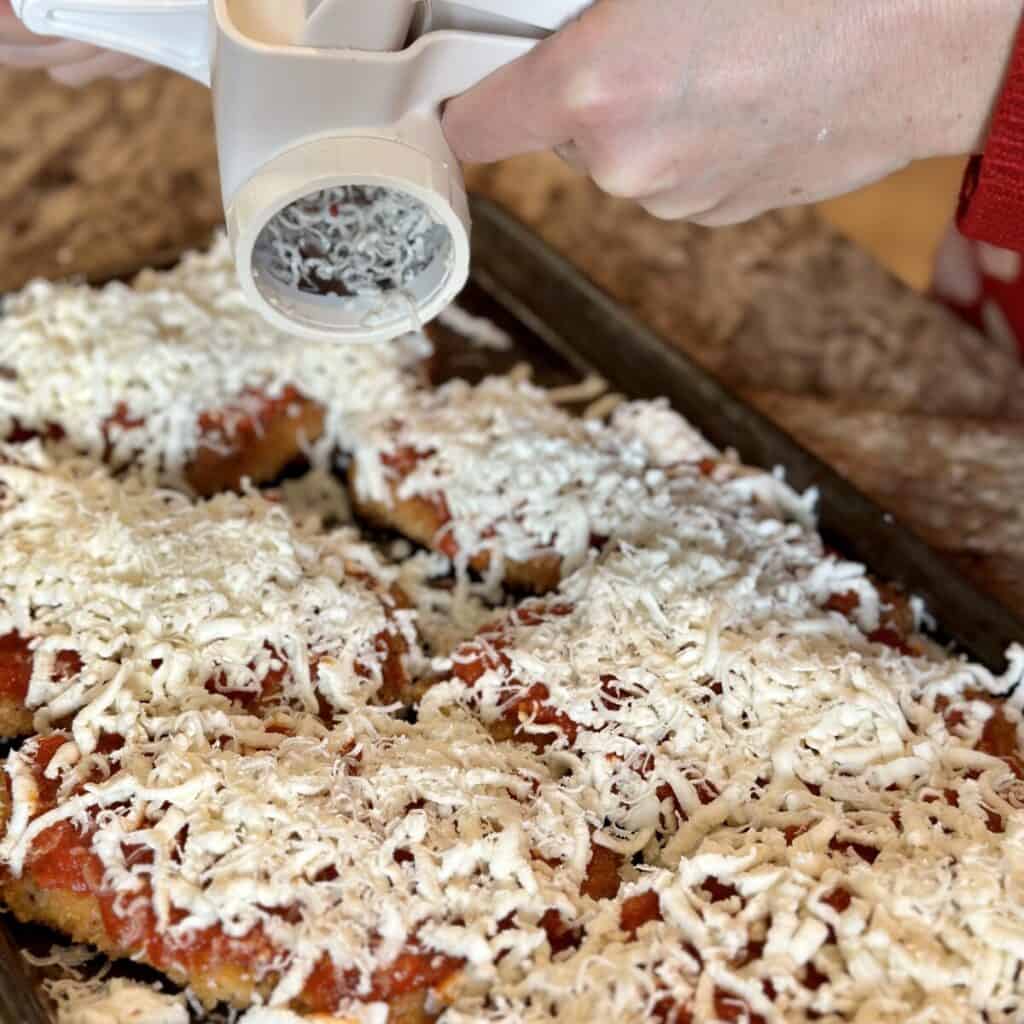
(984, 284)
(979, 271)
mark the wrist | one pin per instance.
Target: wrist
(972, 46)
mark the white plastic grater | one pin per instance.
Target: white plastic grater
(345, 207)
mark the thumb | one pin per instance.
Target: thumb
(523, 107)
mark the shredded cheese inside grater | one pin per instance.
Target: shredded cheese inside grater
(351, 241)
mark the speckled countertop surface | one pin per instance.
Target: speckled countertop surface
(925, 415)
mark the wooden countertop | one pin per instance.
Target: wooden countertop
(922, 413)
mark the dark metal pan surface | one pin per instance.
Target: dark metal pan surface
(550, 297)
(19, 1002)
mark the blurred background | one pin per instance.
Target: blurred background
(901, 220)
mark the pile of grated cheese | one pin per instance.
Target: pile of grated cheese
(730, 678)
(217, 593)
(756, 740)
(242, 829)
(520, 477)
(167, 349)
(807, 810)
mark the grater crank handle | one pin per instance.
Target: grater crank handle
(173, 33)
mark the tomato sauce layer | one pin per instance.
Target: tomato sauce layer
(61, 860)
(16, 667)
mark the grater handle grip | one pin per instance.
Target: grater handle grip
(381, 26)
(549, 15)
(174, 33)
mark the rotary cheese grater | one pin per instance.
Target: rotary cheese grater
(345, 207)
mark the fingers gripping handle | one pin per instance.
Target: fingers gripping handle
(458, 63)
(174, 33)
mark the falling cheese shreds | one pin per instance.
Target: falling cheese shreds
(476, 330)
(160, 353)
(171, 603)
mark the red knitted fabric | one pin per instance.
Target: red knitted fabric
(992, 200)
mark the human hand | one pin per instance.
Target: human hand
(66, 61)
(718, 111)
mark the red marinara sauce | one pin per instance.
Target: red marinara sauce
(16, 666)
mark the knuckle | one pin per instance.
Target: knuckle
(590, 104)
(620, 178)
(630, 171)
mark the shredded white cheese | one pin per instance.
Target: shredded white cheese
(250, 826)
(804, 813)
(477, 330)
(350, 241)
(166, 350)
(82, 992)
(520, 477)
(117, 1002)
(164, 599)
(717, 706)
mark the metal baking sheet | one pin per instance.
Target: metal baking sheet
(565, 328)
(19, 1002)
(551, 298)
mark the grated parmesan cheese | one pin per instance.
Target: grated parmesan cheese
(520, 477)
(761, 755)
(351, 241)
(242, 830)
(81, 994)
(117, 1002)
